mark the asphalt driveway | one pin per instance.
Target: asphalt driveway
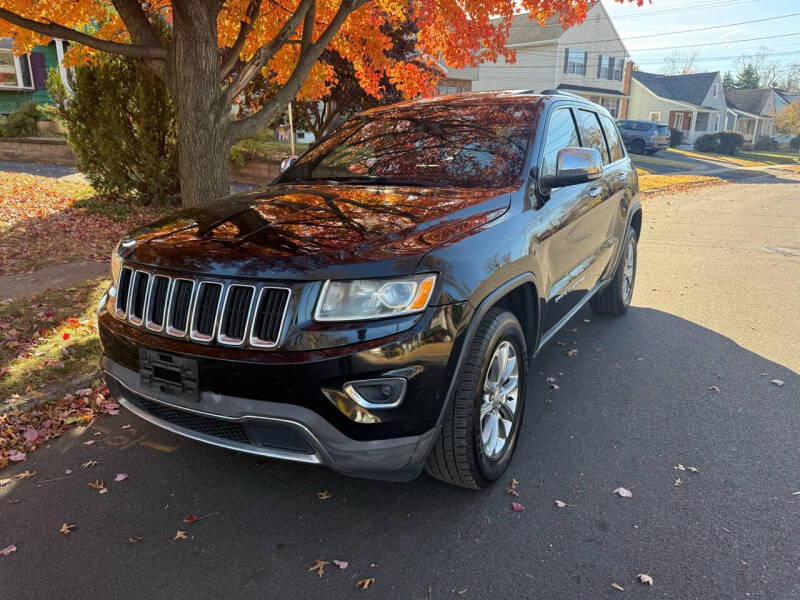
(683, 379)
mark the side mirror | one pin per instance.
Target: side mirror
(574, 166)
(288, 162)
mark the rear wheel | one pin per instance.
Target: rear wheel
(480, 430)
(637, 147)
(616, 297)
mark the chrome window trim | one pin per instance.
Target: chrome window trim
(257, 342)
(136, 320)
(147, 322)
(249, 319)
(193, 333)
(174, 332)
(124, 314)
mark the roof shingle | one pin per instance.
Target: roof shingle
(749, 101)
(692, 88)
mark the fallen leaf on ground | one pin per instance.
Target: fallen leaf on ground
(617, 586)
(679, 468)
(128, 426)
(678, 482)
(365, 583)
(644, 578)
(98, 484)
(512, 489)
(191, 519)
(5, 482)
(103, 491)
(65, 529)
(181, 535)
(517, 506)
(121, 477)
(550, 380)
(319, 566)
(134, 540)
(693, 469)
(324, 495)
(89, 443)
(8, 550)
(24, 475)
(714, 388)
(554, 387)
(571, 352)
(67, 471)
(625, 493)
(777, 382)
(90, 463)
(573, 330)
(16, 456)
(342, 564)
(560, 504)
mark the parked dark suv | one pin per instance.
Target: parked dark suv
(644, 136)
(375, 308)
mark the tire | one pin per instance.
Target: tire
(637, 147)
(460, 455)
(615, 298)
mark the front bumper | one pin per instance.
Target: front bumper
(271, 429)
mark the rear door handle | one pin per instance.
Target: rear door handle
(595, 192)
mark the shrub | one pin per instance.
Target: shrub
(795, 143)
(723, 142)
(675, 137)
(120, 123)
(730, 142)
(21, 122)
(707, 143)
(766, 143)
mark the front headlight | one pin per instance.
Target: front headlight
(364, 299)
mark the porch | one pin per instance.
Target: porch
(750, 126)
(694, 123)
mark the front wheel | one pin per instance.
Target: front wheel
(616, 297)
(480, 430)
(637, 147)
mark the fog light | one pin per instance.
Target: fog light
(377, 393)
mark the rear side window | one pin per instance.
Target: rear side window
(612, 137)
(592, 134)
(561, 133)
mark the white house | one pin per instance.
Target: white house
(694, 104)
(750, 112)
(588, 59)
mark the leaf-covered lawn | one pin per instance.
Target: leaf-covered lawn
(46, 221)
(49, 337)
(659, 182)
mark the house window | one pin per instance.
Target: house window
(679, 121)
(716, 122)
(449, 88)
(611, 105)
(575, 62)
(655, 117)
(603, 67)
(714, 90)
(618, 65)
(701, 124)
(15, 72)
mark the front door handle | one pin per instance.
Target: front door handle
(622, 177)
(595, 192)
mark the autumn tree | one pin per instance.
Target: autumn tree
(787, 120)
(215, 48)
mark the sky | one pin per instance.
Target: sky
(647, 31)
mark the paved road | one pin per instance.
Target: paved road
(712, 308)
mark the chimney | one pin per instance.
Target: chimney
(626, 89)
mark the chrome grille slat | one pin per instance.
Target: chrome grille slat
(205, 310)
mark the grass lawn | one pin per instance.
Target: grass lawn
(45, 221)
(49, 337)
(264, 145)
(750, 158)
(648, 183)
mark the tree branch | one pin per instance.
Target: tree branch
(136, 21)
(263, 54)
(59, 31)
(232, 57)
(251, 125)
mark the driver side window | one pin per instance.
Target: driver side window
(561, 133)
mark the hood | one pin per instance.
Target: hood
(315, 231)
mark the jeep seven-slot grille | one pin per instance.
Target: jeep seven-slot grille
(232, 314)
(269, 316)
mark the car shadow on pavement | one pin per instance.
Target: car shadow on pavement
(646, 396)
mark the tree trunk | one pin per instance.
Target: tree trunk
(200, 107)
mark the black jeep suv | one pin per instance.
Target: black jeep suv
(375, 308)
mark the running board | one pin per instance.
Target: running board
(548, 336)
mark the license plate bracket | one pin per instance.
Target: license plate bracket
(169, 375)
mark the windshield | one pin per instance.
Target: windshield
(443, 144)
(663, 130)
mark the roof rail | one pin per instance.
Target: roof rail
(560, 93)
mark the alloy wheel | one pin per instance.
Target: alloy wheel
(499, 400)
